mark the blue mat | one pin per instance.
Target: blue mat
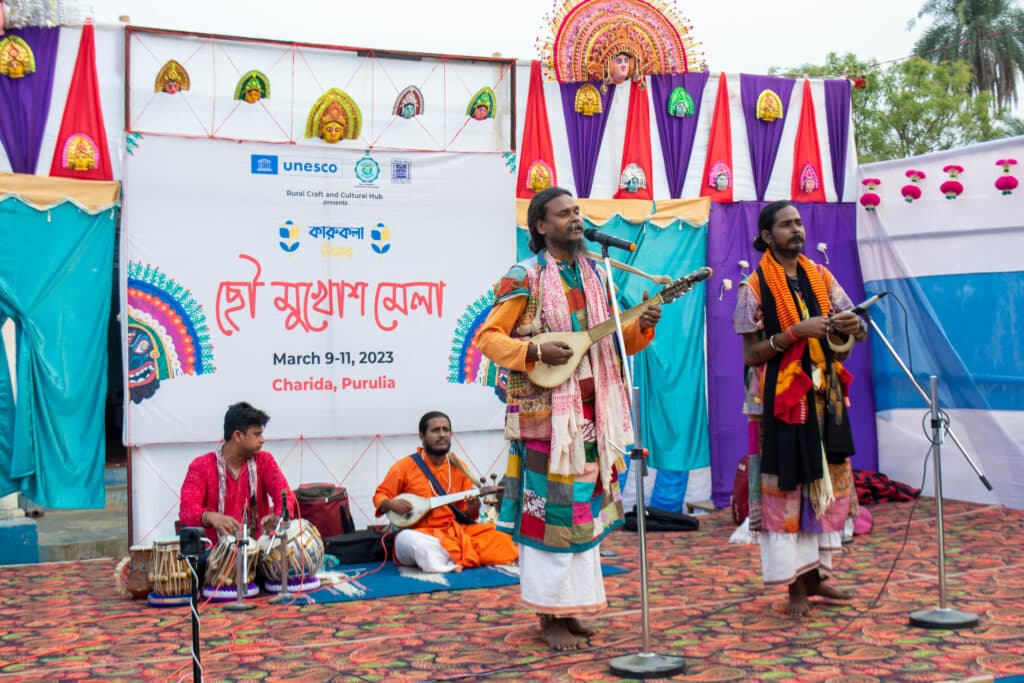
(391, 580)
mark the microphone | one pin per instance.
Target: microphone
(862, 307)
(699, 275)
(594, 235)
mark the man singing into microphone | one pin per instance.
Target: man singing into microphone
(561, 493)
(797, 328)
(237, 480)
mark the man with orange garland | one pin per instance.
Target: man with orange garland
(448, 538)
(797, 327)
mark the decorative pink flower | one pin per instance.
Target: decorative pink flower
(912, 191)
(1006, 183)
(953, 170)
(869, 200)
(952, 187)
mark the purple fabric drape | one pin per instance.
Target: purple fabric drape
(25, 102)
(677, 133)
(584, 134)
(731, 231)
(763, 136)
(837, 116)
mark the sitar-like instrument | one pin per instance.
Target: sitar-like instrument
(421, 506)
(548, 376)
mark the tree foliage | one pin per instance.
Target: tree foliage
(987, 35)
(913, 107)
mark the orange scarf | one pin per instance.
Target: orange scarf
(793, 383)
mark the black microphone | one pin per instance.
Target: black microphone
(284, 506)
(594, 235)
(702, 273)
(862, 307)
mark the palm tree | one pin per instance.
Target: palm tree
(987, 34)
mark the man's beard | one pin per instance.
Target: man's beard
(571, 247)
(790, 250)
(430, 450)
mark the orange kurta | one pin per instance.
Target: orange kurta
(470, 545)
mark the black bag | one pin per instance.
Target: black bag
(662, 520)
(360, 547)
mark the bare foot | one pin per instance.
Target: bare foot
(815, 586)
(798, 605)
(458, 568)
(579, 628)
(557, 635)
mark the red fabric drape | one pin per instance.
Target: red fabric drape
(82, 131)
(807, 155)
(636, 149)
(536, 147)
(719, 147)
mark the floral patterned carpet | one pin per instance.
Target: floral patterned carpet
(65, 621)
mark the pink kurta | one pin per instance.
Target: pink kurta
(199, 491)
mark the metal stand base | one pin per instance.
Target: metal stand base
(943, 618)
(239, 606)
(647, 665)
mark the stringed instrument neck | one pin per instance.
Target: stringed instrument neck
(603, 329)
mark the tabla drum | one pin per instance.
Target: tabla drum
(304, 556)
(221, 571)
(169, 575)
(139, 583)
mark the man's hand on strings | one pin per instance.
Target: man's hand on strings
(651, 315)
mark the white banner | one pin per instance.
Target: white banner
(321, 285)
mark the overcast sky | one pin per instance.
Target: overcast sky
(747, 36)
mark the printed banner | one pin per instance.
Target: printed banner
(324, 286)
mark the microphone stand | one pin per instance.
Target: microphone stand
(241, 570)
(929, 401)
(943, 617)
(282, 548)
(197, 667)
(644, 664)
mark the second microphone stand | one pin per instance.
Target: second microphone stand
(644, 664)
(943, 617)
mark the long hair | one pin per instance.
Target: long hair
(538, 211)
(241, 416)
(766, 219)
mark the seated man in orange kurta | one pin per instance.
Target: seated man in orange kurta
(443, 540)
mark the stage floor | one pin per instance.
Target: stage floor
(65, 621)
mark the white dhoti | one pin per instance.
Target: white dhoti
(786, 556)
(423, 551)
(561, 584)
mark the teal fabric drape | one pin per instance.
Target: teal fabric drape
(55, 274)
(670, 373)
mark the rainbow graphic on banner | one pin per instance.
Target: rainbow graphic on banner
(466, 364)
(167, 332)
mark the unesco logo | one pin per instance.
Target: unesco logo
(263, 164)
(367, 169)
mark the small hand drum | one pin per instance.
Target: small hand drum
(221, 570)
(169, 575)
(304, 555)
(139, 583)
